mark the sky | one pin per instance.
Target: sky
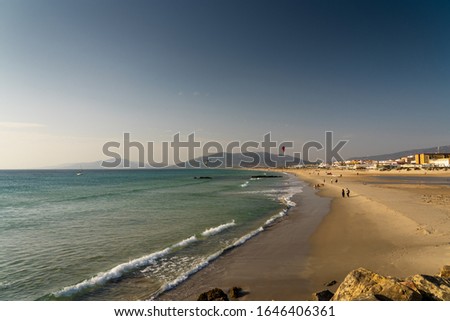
(75, 74)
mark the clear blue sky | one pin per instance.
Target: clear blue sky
(75, 74)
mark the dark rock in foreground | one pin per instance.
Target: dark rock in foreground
(213, 295)
(323, 296)
(365, 285)
(235, 292)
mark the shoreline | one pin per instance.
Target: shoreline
(259, 266)
(383, 227)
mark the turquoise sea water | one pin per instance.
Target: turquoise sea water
(125, 234)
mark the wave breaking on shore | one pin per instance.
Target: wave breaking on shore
(124, 269)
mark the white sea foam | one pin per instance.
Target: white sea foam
(267, 192)
(274, 218)
(247, 237)
(204, 263)
(287, 201)
(185, 276)
(245, 184)
(185, 242)
(289, 193)
(117, 271)
(218, 229)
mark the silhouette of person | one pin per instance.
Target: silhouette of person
(343, 193)
(348, 192)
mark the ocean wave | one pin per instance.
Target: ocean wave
(218, 229)
(185, 242)
(246, 237)
(287, 200)
(276, 217)
(119, 270)
(267, 192)
(172, 284)
(288, 193)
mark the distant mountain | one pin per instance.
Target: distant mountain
(393, 156)
(256, 159)
(228, 160)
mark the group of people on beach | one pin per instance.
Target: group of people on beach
(345, 191)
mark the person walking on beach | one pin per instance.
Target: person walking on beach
(343, 193)
(348, 192)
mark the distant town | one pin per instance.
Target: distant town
(431, 161)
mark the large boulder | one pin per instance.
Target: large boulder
(213, 295)
(432, 288)
(362, 284)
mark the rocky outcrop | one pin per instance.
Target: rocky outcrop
(235, 292)
(432, 288)
(365, 285)
(360, 283)
(325, 295)
(213, 295)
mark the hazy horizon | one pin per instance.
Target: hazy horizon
(77, 74)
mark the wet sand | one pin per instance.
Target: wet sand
(393, 229)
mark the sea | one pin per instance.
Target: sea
(127, 234)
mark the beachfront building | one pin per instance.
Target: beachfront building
(440, 162)
(433, 159)
(406, 160)
(356, 164)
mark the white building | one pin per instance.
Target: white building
(440, 162)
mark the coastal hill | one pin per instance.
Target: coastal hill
(254, 159)
(235, 159)
(397, 155)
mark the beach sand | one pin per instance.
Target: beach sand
(393, 229)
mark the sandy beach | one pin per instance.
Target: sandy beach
(392, 227)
